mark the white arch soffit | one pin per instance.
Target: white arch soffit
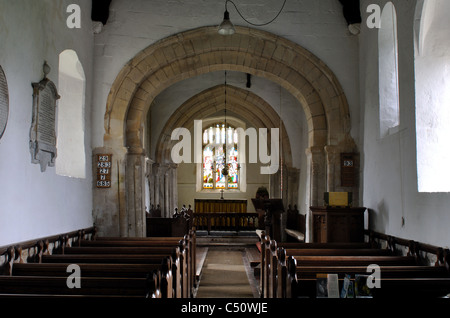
(69, 64)
(433, 15)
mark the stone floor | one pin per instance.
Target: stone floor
(226, 267)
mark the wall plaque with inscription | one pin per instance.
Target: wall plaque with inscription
(43, 126)
(103, 170)
(4, 102)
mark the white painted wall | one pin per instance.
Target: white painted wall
(389, 165)
(36, 204)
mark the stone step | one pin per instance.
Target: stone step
(227, 239)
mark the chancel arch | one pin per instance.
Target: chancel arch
(200, 51)
(209, 107)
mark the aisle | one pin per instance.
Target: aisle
(224, 275)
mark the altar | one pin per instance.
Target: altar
(220, 205)
(221, 214)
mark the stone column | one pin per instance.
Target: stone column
(149, 181)
(154, 191)
(316, 174)
(135, 199)
(161, 189)
(166, 194)
(173, 186)
(332, 154)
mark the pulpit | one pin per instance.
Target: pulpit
(272, 210)
(338, 224)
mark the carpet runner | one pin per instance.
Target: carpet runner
(224, 275)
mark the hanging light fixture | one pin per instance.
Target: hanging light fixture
(227, 28)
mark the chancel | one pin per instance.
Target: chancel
(224, 149)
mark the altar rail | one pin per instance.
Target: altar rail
(223, 221)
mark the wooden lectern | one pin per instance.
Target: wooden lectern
(271, 210)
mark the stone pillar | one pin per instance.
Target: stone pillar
(154, 191)
(161, 189)
(332, 154)
(173, 186)
(135, 200)
(316, 171)
(149, 181)
(167, 212)
(109, 204)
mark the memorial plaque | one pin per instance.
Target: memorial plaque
(4, 102)
(103, 162)
(43, 126)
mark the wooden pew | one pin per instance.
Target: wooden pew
(274, 269)
(186, 244)
(269, 258)
(276, 274)
(155, 259)
(179, 265)
(89, 286)
(154, 255)
(165, 284)
(104, 279)
(296, 280)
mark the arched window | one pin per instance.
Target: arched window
(388, 71)
(220, 150)
(71, 159)
(432, 74)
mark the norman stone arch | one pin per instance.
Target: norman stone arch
(206, 104)
(209, 102)
(120, 210)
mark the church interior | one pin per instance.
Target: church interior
(294, 127)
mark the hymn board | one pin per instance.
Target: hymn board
(104, 163)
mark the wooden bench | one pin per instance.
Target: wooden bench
(336, 256)
(29, 265)
(163, 270)
(393, 287)
(179, 261)
(314, 258)
(269, 258)
(155, 259)
(298, 278)
(89, 286)
(186, 244)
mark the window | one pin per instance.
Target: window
(432, 71)
(71, 160)
(388, 71)
(219, 141)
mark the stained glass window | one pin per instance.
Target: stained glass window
(219, 148)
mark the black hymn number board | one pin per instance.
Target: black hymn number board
(104, 171)
(347, 170)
